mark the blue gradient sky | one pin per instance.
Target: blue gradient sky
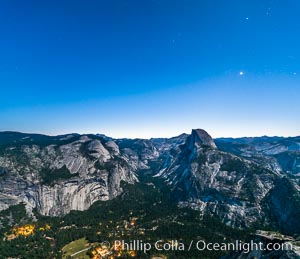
(150, 68)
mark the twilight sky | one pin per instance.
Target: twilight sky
(144, 68)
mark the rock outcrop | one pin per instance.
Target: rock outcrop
(200, 136)
(58, 178)
(222, 184)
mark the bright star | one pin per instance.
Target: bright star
(241, 73)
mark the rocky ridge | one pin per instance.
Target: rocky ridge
(242, 184)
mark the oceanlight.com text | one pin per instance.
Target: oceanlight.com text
(200, 245)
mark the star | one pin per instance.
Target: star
(241, 73)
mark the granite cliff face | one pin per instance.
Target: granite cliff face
(68, 173)
(241, 192)
(241, 182)
(200, 136)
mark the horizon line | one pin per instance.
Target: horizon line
(85, 133)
